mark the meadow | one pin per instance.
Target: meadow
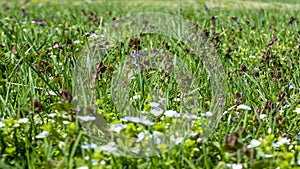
(73, 97)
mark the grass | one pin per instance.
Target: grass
(42, 44)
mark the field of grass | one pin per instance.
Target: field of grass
(65, 102)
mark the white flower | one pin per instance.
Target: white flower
(50, 93)
(87, 118)
(291, 86)
(176, 140)
(177, 99)
(171, 113)
(192, 117)
(207, 114)
(262, 116)
(83, 167)
(76, 41)
(51, 115)
(2, 124)
(154, 104)
(253, 143)
(244, 107)
(94, 36)
(297, 110)
(136, 97)
(117, 127)
(281, 142)
(142, 120)
(102, 162)
(110, 147)
(268, 155)
(23, 120)
(235, 166)
(298, 162)
(43, 134)
(157, 111)
(87, 146)
(192, 134)
(135, 150)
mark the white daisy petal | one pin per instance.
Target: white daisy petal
(281, 142)
(262, 116)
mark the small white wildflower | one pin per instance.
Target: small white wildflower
(66, 122)
(102, 162)
(51, 115)
(141, 120)
(177, 99)
(154, 104)
(235, 166)
(291, 86)
(297, 110)
(87, 118)
(244, 107)
(110, 147)
(136, 97)
(117, 127)
(43, 134)
(94, 36)
(157, 111)
(176, 140)
(253, 143)
(298, 162)
(50, 93)
(281, 142)
(76, 41)
(192, 117)
(262, 116)
(2, 124)
(23, 120)
(207, 114)
(171, 113)
(192, 134)
(268, 155)
(87, 146)
(95, 162)
(83, 167)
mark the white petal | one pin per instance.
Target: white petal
(43, 134)
(262, 116)
(87, 118)
(207, 114)
(171, 113)
(253, 143)
(157, 111)
(2, 124)
(244, 107)
(117, 127)
(110, 147)
(23, 120)
(154, 104)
